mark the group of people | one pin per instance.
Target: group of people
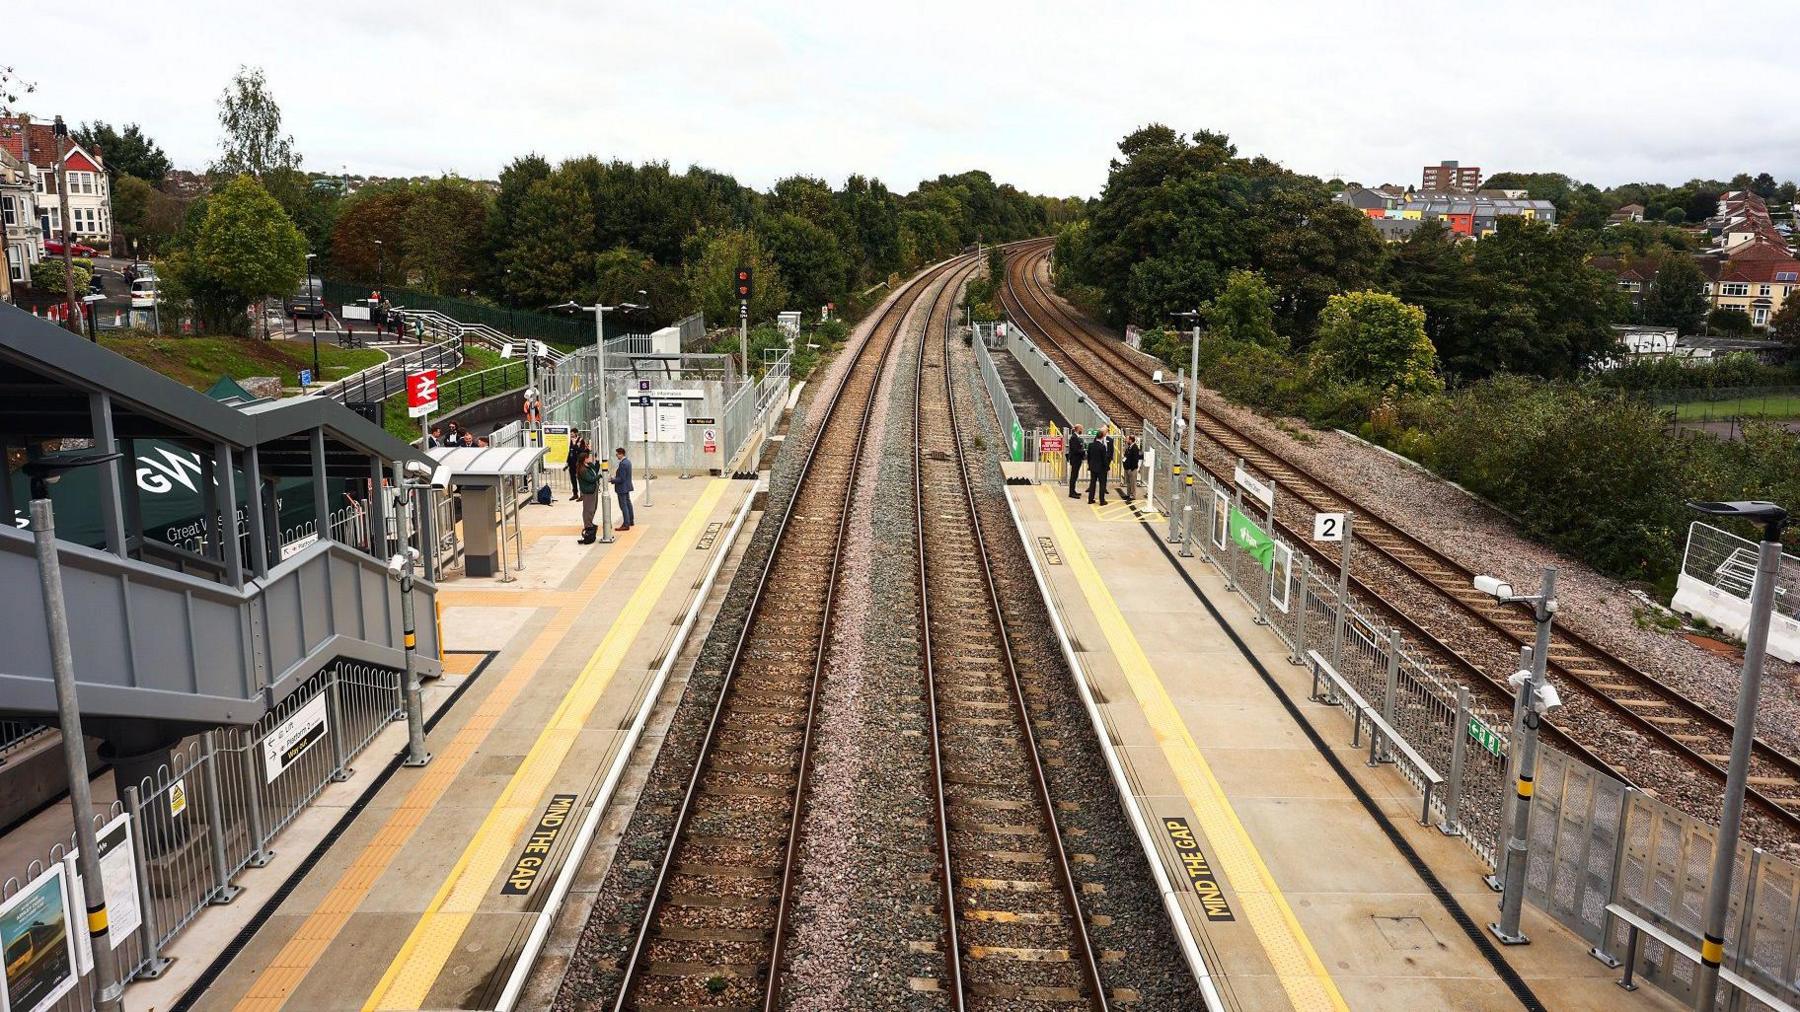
(1097, 453)
(585, 475)
(454, 437)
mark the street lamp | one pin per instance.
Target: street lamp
(1193, 418)
(44, 472)
(378, 284)
(310, 309)
(1536, 697)
(1743, 730)
(604, 449)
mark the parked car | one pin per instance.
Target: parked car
(79, 249)
(139, 269)
(309, 300)
(143, 293)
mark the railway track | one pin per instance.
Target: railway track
(1015, 936)
(1614, 708)
(712, 935)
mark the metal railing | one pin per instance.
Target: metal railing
(379, 382)
(1010, 429)
(215, 807)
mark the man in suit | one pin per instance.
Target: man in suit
(621, 481)
(1075, 453)
(1099, 459)
(587, 485)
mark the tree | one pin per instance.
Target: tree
(130, 206)
(253, 142)
(710, 276)
(47, 275)
(1245, 311)
(808, 256)
(1730, 321)
(621, 273)
(1434, 271)
(1544, 310)
(1785, 325)
(1677, 297)
(1675, 216)
(244, 248)
(443, 235)
(371, 214)
(550, 251)
(1374, 338)
(126, 152)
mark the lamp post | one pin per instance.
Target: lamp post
(310, 257)
(401, 568)
(1743, 730)
(378, 285)
(604, 450)
(1536, 697)
(44, 472)
(1193, 415)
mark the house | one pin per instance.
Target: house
(1634, 274)
(90, 193)
(18, 207)
(1756, 278)
(1450, 177)
(1371, 202)
(1628, 214)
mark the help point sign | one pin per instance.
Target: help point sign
(421, 393)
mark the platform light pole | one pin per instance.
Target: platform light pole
(44, 472)
(1536, 697)
(1743, 731)
(604, 450)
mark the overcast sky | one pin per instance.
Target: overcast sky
(1038, 94)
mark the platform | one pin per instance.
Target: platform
(1301, 897)
(425, 898)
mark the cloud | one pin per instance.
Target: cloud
(1038, 94)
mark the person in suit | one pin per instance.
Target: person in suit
(1099, 459)
(578, 446)
(1129, 465)
(622, 486)
(587, 483)
(1076, 452)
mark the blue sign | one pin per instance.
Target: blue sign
(305, 377)
(643, 402)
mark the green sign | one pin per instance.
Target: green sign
(1017, 439)
(1485, 736)
(1252, 540)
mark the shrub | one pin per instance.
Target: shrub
(47, 275)
(1728, 321)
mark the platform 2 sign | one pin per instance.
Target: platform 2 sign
(1199, 871)
(293, 737)
(530, 865)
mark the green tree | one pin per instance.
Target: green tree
(244, 248)
(1674, 216)
(1677, 298)
(251, 119)
(1729, 321)
(1245, 311)
(47, 275)
(1545, 311)
(711, 275)
(621, 273)
(807, 254)
(1785, 325)
(130, 206)
(126, 152)
(515, 180)
(550, 250)
(1374, 338)
(371, 214)
(443, 234)
(1434, 271)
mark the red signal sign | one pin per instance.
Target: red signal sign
(743, 283)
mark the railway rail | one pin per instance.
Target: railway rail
(713, 932)
(1015, 936)
(1615, 706)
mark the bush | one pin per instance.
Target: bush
(47, 275)
(1728, 321)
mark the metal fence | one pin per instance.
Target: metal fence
(1010, 429)
(1721, 559)
(561, 330)
(1713, 404)
(222, 798)
(379, 382)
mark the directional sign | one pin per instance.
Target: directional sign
(1328, 527)
(306, 377)
(421, 392)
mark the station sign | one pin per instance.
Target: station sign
(1050, 444)
(421, 393)
(1328, 527)
(1257, 490)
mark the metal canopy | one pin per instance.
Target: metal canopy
(474, 463)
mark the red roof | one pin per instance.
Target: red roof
(43, 145)
(1760, 261)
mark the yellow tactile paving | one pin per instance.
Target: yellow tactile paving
(1303, 976)
(421, 959)
(300, 955)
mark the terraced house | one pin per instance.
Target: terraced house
(90, 194)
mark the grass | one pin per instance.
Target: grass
(1773, 406)
(198, 362)
(453, 394)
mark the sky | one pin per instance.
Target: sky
(1037, 94)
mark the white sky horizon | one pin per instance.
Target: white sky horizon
(1606, 91)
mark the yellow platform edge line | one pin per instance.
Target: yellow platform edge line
(409, 978)
(1273, 920)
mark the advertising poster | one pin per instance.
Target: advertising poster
(40, 955)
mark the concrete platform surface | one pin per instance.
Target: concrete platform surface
(1300, 899)
(424, 900)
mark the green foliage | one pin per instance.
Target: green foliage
(1725, 320)
(1245, 311)
(1374, 338)
(126, 152)
(47, 275)
(711, 274)
(130, 206)
(243, 248)
(1675, 215)
(1677, 298)
(808, 254)
(443, 236)
(1785, 325)
(250, 117)
(371, 214)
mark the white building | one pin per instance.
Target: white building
(18, 207)
(90, 193)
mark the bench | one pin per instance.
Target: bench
(1640, 925)
(1381, 733)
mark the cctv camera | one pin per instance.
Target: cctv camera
(396, 566)
(1493, 587)
(418, 470)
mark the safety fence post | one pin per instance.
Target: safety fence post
(223, 891)
(334, 719)
(1298, 656)
(154, 963)
(1452, 824)
(1393, 677)
(259, 852)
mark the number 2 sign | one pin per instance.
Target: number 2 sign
(1328, 527)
